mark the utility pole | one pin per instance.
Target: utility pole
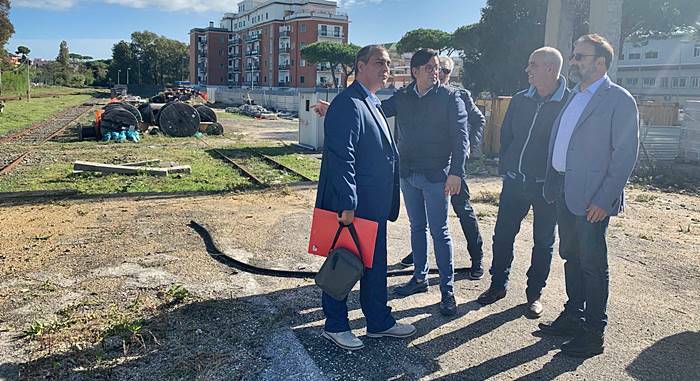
(0, 79)
(119, 72)
(127, 75)
(29, 85)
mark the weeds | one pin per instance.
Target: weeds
(177, 294)
(487, 197)
(645, 197)
(646, 237)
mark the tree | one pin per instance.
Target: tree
(466, 40)
(63, 54)
(24, 51)
(425, 38)
(335, 54)
(6, 28)
(509, 30)
(152, 58)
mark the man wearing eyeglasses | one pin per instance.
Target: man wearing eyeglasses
(592, 152)
(522, 163)
(460, 202)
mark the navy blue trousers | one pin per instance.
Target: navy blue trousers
(373, 295)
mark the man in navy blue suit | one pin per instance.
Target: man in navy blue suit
(359, 177)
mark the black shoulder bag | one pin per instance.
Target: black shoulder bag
(342, 269)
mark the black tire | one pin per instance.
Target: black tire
(147, 113)
(117, 119)
(206, 114)
(178, 119)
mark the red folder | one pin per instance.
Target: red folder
(324, 226)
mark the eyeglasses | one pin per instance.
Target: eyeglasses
(445, 70)
(430, 68)
(579, 56)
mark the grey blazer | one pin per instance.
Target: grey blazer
(602, 152)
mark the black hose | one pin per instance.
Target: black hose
(230, 261)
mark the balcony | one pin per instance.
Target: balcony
(253, 37)
(253, 67)
(321, 67)
(284, 49)
(328, 35)
(234, 41)
(283, 84)
(284, 34)
(252, 53)
(284, 66)
(234, 54)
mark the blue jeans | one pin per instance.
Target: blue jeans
(427, 205)
(515, 201)
(582, 245)
(373, 295)
(470, 225)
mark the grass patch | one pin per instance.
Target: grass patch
(20, 114)
(54, 169)
(54, 90)
(645, 197)
(487, 197)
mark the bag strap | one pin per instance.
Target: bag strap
(353, 234)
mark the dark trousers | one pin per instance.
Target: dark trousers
(470, 225)
(515, 201)
(582, 245)
(373, 295)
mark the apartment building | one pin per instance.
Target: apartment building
(208, 48)
(662, 70)
(265, 39)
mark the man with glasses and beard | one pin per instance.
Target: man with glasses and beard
(460, 202)
(592, 152)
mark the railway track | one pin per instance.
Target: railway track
(37, 134)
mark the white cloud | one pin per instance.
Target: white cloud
(43, 4)
(345, 4)
(168, 5)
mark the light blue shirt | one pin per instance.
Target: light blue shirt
(377, 103)
(372, 97)
(569, 120)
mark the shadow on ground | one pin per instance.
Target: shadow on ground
(676, 357)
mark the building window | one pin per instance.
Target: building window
(649, 82)
(664, 82)
(336, 31)
(302, 62)
(301, 79)
(679, 82)
(302, 28)
(324, 30)
(622, 57)
(695, 82)
(221, 52)
(266, 16)
(651, 55)
(635, 56)
(696, 51)
(631, 82)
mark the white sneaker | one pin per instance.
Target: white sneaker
(398, 330)
(346, 340)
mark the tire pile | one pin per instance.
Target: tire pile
(122, 121)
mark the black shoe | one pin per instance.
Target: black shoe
(491, 296)
(411, 287)
(448, 305)
(407, 261)
(564, 325)
(588, 343)
(475, 272)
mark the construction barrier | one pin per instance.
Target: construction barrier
(495, 111)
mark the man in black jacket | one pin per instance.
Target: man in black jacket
(523, 161)
(460, 202)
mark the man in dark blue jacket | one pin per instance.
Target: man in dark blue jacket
(433, 142)
(359, 177)
(523, 162)
(460, 202)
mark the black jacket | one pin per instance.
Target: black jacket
(476, 120)
(432, 131)
(526, 130)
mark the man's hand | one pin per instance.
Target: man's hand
(321, 108)
(595, 214)
(452, 185)
(346, 217)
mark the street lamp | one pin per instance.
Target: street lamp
(127, 75)
(119, 72)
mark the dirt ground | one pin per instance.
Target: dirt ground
(124, 289)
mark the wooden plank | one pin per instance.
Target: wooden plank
(121, 169)
(179, 169)
(142, 163)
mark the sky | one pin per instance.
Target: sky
(91, 27)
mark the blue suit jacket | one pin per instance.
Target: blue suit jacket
(602, 152)
(359, 170)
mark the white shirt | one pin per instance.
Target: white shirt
(569, 120)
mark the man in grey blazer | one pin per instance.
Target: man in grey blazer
(592, 152)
